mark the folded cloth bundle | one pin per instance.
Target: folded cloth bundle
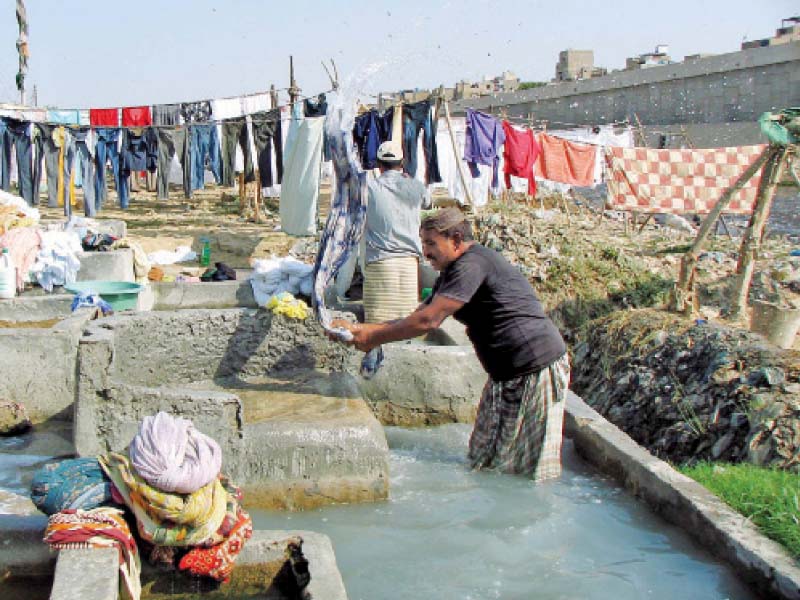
(70, 484)
(168, 519)
(98, 528)
(173, 456)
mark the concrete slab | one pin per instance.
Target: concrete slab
(113, 265)
(86, 574)
(425, 385)
(36, 308)
(217, 294)
(757, 560)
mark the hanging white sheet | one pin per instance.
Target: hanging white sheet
(301, 173)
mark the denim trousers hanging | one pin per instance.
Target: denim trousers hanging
(415, 117)
(171, 141)
(234, 131)
(16, 134)
(47, 149)
(267, 135)
(204, 143)
(77, 155)
(106, 149)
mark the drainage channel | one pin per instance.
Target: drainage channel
(450, 533)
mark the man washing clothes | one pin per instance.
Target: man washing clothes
(392, 243)
(519, 424)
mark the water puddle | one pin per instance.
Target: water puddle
(449, 533)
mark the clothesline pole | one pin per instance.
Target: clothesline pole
(459, 162)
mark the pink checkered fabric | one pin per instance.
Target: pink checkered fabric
(679, 181)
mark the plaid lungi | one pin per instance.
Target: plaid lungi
(519, 424)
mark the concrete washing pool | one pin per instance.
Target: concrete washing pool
(450, 533)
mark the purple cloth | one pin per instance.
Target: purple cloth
(485, 137)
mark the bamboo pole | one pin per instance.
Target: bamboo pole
(751, 241)
(682, 300)
(459, 162)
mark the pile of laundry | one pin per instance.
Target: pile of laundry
(15, 212)
(188, 515)
(274, 276)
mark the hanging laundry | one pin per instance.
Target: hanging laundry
(520, 152)
(601, 137)
(369, 131)
(166, 114)
(254, 103)
(136, 116)
(48, 150)
(139, 153)
(64, 117)
(205, 152)
(172, 143)
(104, 117)
(80, 153)
(300, 185)
(267, 134)
(17, 135)
(417, 117)
(196, 112)
(563, 161)
(107, 148)
(484, 138)
(449, 167)
(315, 108)
(84, 117)
(234, 132)
(227, 108)
(678, 181)
(31, 115)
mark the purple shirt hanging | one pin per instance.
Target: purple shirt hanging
(485, 137)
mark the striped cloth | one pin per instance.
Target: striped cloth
(98, 528)
(519, 424)
(391, 288)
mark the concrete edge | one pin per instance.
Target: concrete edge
(759, 561)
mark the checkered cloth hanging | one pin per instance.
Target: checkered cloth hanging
(679, 181)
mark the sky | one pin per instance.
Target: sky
(101, 53)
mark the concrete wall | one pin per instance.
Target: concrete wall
(733, 87)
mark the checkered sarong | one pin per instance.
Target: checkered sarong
(678, 181)
(519, 424)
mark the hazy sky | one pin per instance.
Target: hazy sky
(95, 53)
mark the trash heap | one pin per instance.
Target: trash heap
(188, 515)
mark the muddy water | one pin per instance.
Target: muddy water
(448, 533)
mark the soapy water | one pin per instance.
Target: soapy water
(450, 533)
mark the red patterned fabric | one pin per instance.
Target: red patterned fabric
(217, 561)
(563, 161)
(520, 152)
(104, 117)
(677, 181)
(136, 116)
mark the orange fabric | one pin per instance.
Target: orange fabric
(566, 162)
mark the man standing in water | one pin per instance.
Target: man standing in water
(520, 417)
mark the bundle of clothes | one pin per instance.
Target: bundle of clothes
(165, 498)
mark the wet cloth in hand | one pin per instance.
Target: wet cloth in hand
(69, 484)
(164, 518)
(173, 456)
(99, 528)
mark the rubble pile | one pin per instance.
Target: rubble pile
(691, 391)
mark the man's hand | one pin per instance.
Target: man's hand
(361, 334)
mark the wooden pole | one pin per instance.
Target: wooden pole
(751, 242)
(682, 300)
(242, 194)
(459, 161)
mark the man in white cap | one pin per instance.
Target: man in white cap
(392, 241)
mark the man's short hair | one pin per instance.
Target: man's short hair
(448, 222)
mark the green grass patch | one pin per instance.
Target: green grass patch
(770, 498)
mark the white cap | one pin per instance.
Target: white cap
(389, 152)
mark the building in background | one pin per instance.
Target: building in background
(574, 65)
(789, 31)
(657, 58)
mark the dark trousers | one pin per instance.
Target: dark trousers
(234, 131)
(204, 144)
(16, 134)
(266, 136)
(171, 141)
(417, 117)
(46, 149)
(106, 150)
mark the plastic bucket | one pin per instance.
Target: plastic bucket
(8, 282)
(778, 325)
(121, 295)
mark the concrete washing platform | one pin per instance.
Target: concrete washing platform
(317, 445)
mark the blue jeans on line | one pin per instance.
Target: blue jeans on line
(415, 117)
(17, 134)
(106, 149)
(204, 142)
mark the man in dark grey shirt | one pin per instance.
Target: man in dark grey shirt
(520, 416)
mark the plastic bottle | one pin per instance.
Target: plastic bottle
(8, 276)
(205, 253)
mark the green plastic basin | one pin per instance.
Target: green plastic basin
(121, 295)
